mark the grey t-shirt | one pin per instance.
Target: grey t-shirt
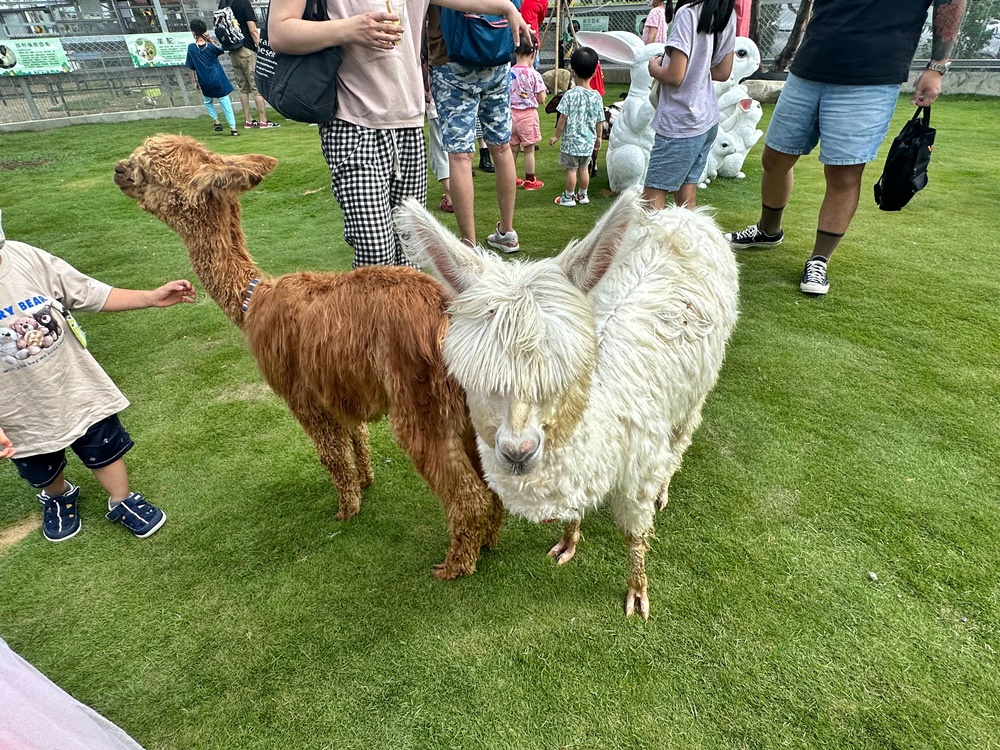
(54, 389)
(692, 109)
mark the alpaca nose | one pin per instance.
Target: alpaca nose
(519, 452)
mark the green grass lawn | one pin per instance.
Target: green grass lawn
(853, 433)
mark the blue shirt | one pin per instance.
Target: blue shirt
(204, 61)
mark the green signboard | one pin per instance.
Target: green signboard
(32, 57)
(157, 50)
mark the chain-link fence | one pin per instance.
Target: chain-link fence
(103, 79)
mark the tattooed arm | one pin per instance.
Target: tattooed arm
(946, 20)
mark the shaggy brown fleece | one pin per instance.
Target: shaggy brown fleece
(342, 349)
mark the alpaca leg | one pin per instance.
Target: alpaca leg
(335, 447)
(680, 440)
(363, 455)
(439, 457)
(563, 551)
(637, 597)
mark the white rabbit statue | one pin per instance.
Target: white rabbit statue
(742, 129)
(738, 114)
(746, 59)
(722, 148)
(631, 138)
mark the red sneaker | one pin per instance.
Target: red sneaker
(518, 182)
(445, 205)
(534, 185)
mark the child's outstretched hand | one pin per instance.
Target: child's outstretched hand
(172, 292)
(553, 139)
(7, 448)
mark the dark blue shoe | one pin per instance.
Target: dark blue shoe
(136, 515)
(60, 519)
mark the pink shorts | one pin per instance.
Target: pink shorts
(524, 127)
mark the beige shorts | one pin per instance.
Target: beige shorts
(243, 61)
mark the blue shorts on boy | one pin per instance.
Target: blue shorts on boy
(102, 444)
(583, 108)
(461, 95)
(853, 120)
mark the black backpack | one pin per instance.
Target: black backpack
(227, 28)
(905, 171)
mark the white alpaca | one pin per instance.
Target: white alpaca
(631, 138)
(585, 374)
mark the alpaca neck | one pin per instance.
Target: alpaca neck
(219, 255)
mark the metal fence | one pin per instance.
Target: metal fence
(103, 79)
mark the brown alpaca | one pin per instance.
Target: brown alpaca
(342, 349)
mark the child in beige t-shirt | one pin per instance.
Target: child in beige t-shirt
(57, 395)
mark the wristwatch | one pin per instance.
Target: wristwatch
(937, 67)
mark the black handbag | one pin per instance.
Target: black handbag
(905, 171)
(300, 87)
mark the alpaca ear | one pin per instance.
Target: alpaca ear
(426, 242)
(585, 262)
(239, 173)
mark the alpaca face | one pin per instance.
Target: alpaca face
(522, 344)
(171, 176)
(522, 340)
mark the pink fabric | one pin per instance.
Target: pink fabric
(742, 17)
(657, 20)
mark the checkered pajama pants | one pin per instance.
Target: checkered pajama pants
(371, 172)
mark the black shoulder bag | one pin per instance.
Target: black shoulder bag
(300, 87)
(905, 171)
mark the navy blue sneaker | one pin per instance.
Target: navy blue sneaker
(60, 519)
(136, 515)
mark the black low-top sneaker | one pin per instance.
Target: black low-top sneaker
(60, 518)
(138, 516)
(753, 237)
(814, 279)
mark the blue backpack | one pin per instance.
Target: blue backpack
(477, 40)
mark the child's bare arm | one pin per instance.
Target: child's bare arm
(137, 299)
(560, 126)
(7, 448)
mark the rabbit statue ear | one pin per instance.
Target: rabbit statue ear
(622, 47)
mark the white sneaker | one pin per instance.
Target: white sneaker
(504, 242)
(582, 199)
(566, 199)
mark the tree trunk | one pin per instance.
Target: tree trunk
(754, 32)
(794, 37)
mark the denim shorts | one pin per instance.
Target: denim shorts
(103, 443)
(848, 122)
(678, 161)
(461, 94)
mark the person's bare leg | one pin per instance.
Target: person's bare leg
(583, 178)
(57, 486)
(446, 186)
(687, 195)
(245, 103)
(654, 197)
(506, 174)
(570, 181)
(460, 177)
(529, 159)
(114, 480)
(840, 202)
(261, 107)
(775, 188)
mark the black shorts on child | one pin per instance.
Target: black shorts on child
(103, 443)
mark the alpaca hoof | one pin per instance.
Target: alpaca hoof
(563, 552)
(450, 571)
(366, 481)
(637, 601)
(346, 514)
(661, 501)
